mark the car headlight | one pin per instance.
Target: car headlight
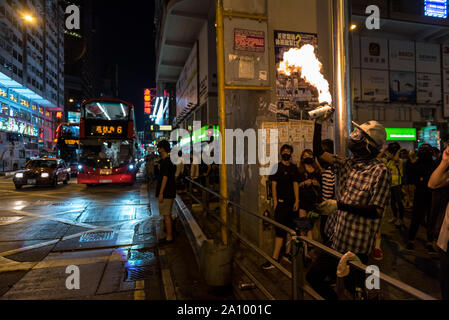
(19, 175)
(44, 175)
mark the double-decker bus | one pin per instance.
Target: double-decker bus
(67, 144)
(107, 142)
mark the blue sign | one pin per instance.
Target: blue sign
(435, 8)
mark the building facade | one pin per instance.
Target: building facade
(402, 89)
(31, 78)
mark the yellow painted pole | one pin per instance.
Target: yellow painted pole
(222, 114)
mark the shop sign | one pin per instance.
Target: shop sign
(249, 40)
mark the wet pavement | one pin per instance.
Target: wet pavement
(109, 232)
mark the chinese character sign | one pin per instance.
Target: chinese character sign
(147, 101)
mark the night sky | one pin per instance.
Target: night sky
(124, 30)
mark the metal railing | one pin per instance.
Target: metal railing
(297, 276)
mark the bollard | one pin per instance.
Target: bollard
(216, 263)
(297, 248)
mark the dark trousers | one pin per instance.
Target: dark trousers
(325, 266)
(396, 202)
(322, 226)
(421, 209)
(438, 208)
(444, 274)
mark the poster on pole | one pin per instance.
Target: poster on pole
(446, 106)
(356, 85)
(446, 80)
(428, 88)
(402, 87)
(402, 55)
(445, 54)
(374, 53)
(428, 58)
(293, 93)
(375, 86)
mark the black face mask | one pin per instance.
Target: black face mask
(308, 160)
(361, 150)
(286, 157)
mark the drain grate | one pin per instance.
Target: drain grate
(138, 273)
(140, 265)
(97, 236)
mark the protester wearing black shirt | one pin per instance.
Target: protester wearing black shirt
(285, 198)
(419, 174)
(309, 191)
(166, 187)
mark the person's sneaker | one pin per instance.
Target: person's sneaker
(399, 223)
(392, 220)
(410, 246)
(268, 265)
(378, 254)
(430, 248)
(288, 257)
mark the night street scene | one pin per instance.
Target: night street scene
(230, 152)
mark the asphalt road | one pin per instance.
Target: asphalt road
(106, 234)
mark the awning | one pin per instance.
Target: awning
(179, 30)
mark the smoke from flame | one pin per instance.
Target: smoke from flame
(304, 61)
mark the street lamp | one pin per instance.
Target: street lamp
(71, 100)
(28, 18)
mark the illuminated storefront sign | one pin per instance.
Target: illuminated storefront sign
(13, 125)
(401, 134)
(41, 110)
(34, 107)
(3, 93)
(24, 103)
(435, 8)
(147, 101)
(72, 117)
(58, 115)
(13, 97)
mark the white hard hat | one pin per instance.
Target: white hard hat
(375, 131)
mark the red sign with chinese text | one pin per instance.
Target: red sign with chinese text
(147, 101)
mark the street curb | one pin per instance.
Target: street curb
(7, 174)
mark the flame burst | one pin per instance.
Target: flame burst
(304, 61)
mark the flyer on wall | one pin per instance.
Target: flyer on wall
(293, 93)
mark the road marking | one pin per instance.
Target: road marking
(50, 217)
(7, 265)
(167, 281)
(31, 195)
(47, 243)
(139, 293)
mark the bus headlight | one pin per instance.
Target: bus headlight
(80, 168)
(44, 175)
(131, 167)
(19, 175)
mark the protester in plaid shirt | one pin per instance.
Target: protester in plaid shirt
(363, 184)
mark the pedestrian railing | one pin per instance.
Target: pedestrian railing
(297, 273)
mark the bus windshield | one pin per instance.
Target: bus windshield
(70, 132)
(107, 111)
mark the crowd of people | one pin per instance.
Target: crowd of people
(338, 201)
(346, 199)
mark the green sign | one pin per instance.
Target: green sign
(401, 134)
(198, 136)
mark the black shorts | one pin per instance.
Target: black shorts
(283, 214)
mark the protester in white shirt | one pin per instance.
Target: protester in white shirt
(439, 179)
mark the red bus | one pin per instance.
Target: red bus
(107, 142)
(67, 143)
